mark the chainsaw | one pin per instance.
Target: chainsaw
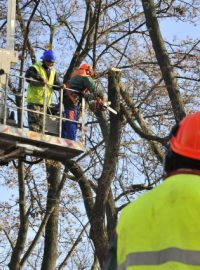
(106, 105)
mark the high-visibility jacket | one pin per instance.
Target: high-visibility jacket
(161, 229)
(35, 93)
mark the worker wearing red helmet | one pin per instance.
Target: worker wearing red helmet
(160, 230)
(82, 80)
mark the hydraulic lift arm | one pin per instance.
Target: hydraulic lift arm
(8, 55)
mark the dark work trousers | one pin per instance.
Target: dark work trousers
(35, 120)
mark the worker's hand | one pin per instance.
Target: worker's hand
(85, 91)
(35, 82)
(100, 105)
(63, 86)
(44, 82)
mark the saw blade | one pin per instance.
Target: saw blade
(111, 109)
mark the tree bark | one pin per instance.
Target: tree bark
(51, 230)
(99, 234)
(23, 227)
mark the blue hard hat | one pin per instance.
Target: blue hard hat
(48, 56)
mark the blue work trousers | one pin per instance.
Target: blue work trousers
(69, 129)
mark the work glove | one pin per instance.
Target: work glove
(44, 82)
(99, 104)
(63, 86)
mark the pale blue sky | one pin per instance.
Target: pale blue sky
(181, 30)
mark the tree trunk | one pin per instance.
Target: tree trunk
(23, 227)
(98, 230)
(51, 230)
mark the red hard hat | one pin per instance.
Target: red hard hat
(186, 141)
(88, 68)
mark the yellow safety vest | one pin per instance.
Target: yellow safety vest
(161, 229)
(35, 93)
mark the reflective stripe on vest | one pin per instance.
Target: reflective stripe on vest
(159, 257)
(35, 93)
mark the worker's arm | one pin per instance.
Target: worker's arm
(33, 74)
(93, 91)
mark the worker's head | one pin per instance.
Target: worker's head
(48, 58)
(184, 145)
(88, 69)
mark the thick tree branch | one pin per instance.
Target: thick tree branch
(163, 59)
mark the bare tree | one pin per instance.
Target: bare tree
(64, 214)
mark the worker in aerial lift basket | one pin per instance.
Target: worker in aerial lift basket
(82, 80)
(161, 229)
(44, 74)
